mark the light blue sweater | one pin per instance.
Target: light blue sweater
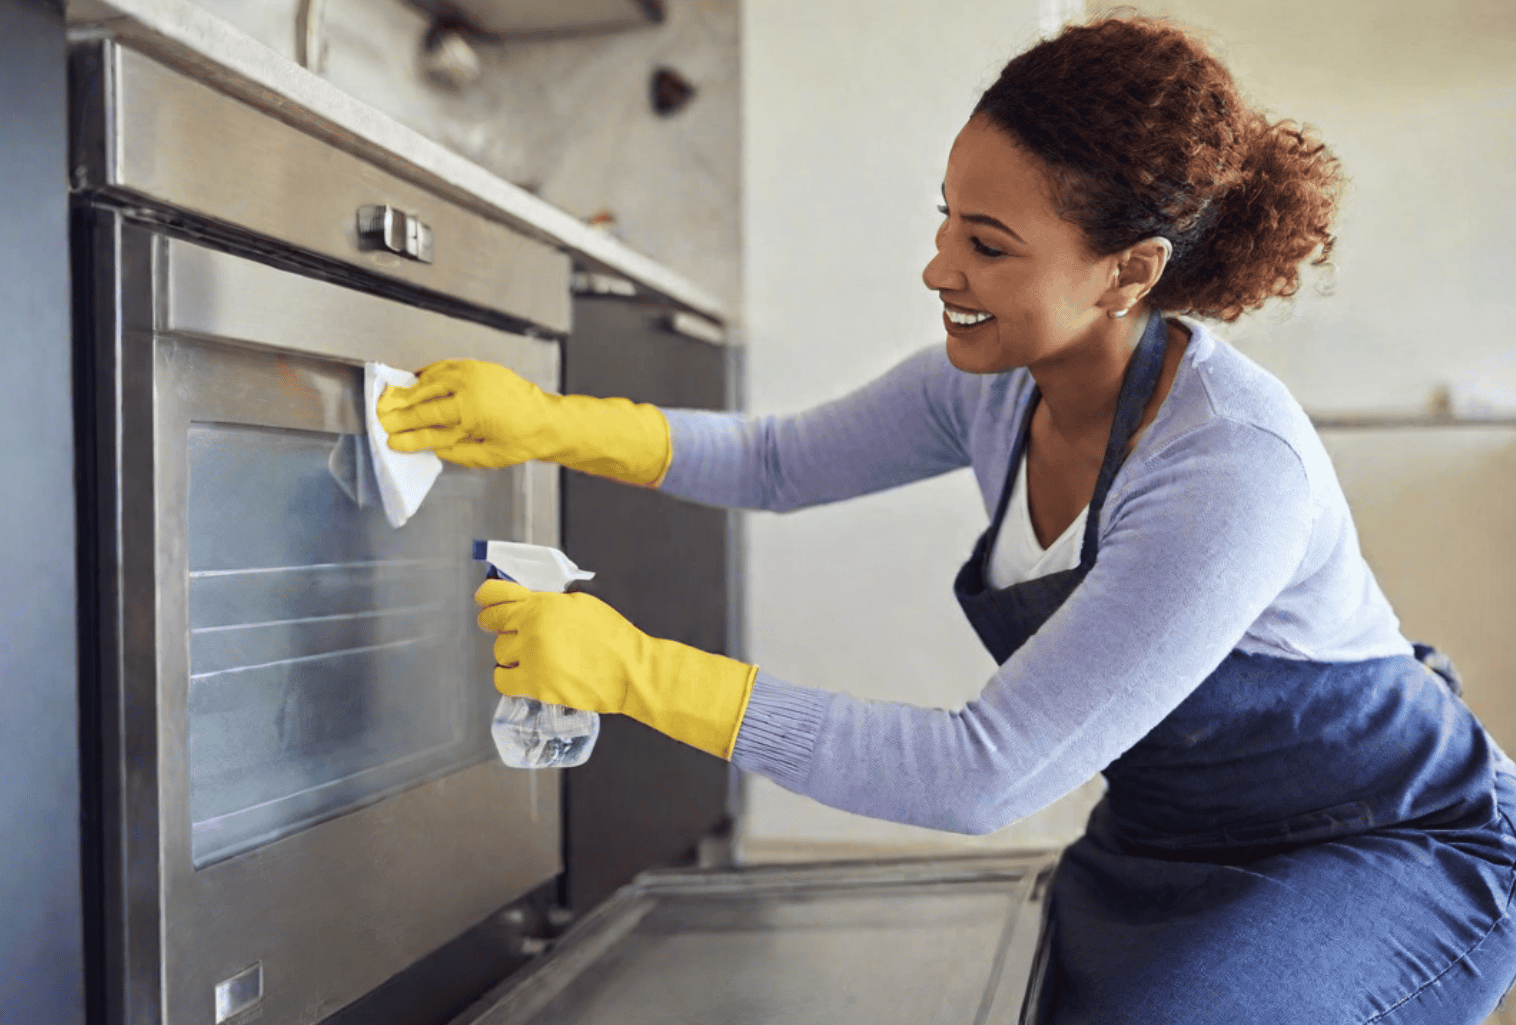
(1225, 529)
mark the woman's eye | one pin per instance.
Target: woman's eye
(979, 247)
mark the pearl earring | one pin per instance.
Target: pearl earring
(1118, 314)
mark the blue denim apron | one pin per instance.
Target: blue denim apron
(1297, 842)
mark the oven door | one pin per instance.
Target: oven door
(305, 797)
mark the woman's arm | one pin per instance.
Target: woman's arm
(907, 425)
(1209, 534)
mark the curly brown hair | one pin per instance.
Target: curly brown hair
(1142, 132)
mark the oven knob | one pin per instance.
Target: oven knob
(383, 228)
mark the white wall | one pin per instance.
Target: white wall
(849, 109)
(1419, 102)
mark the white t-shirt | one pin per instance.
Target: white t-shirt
(1017, 556)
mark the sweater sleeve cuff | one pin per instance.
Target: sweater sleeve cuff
(779, 729)
(706, 461)
(688, 443)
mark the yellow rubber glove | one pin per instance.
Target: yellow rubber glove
(484, 415)
(577, 651)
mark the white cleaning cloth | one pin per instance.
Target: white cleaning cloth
(404, 477)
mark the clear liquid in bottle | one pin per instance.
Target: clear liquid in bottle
(532, 735)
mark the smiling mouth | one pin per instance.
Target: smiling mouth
(963, 319)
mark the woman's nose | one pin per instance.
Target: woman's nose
(940, 276)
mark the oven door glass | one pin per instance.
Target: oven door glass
(334, 659)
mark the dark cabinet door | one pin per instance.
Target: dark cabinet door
(644, 800)
(43, 944)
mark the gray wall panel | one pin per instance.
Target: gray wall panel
(41, 948)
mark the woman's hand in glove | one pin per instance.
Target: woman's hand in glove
(484, 415)
(574, 650)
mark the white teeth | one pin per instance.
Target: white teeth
(966, 319)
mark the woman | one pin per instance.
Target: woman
(1303, 823)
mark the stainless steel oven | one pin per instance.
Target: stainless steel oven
(300, 797)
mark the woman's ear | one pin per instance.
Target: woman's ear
(1137, 271)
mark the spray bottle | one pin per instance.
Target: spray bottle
(530, 734)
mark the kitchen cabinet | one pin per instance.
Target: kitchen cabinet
(671, 568)
(42, 944)
(531, 18)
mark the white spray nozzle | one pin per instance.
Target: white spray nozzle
(535, 567)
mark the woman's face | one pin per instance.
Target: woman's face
(1017, 283)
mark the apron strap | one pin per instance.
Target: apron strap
(1137, 388)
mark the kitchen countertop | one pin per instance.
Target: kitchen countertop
(186, 37)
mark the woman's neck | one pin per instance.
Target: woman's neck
(1080, 386)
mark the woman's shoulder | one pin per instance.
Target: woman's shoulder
(1220, 390)
(1226, 417)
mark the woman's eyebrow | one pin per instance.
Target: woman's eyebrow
(986, 220)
